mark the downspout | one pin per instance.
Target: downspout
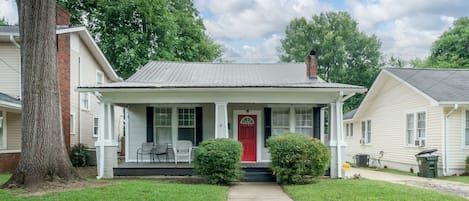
(445, 137)
(12, 40)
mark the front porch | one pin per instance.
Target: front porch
(253, 172)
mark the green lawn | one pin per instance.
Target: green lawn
(361, 190)
(393, 171)
(464, 179)
(142, 189)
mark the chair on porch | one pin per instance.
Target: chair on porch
(160, 150)
(183, 148)
(146, 149)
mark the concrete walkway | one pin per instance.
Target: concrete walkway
(257, 191)
(442, 186)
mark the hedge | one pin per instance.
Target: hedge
(296, 158)
(218, 161)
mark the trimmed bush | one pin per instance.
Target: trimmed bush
(218, 161)
(296, 158)
(79, 155)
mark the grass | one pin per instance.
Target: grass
(463, 179)
(361, 190)
(141, 189)
(392, 171)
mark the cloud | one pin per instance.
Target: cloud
(265, 52)
(8, 11)
(236, 19)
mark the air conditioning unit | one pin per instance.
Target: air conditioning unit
(420, 142)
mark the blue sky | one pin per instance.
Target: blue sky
(251, 30)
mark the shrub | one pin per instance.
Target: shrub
(218, 161)
(296, 158)
(79, 155)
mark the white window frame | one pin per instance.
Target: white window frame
(366, 132)
(95, 126)
(82, 105)
(273, 126)
(156, 125)
(415, 129)
(193, 126)
(297, 128)
(465, 128)
(72, 123)
(349, 129)
(99, 73)
(3, 121)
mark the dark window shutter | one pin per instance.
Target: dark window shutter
(317, 122)
(198, 125)
(149, 124)
(267, 124)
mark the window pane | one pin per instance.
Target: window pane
(410, 128)
(305, 131)
(421, 124)
(186, 117)
(186, 134)
(278, 131)
(162, 116)
(95, 126)
(351, 129)
(280, 117)
(369, 131)
(163, 135)
(303, 117)
(363, 130)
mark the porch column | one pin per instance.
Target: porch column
(336, 142)
(221, 120)
(106, 145)
(321, 123)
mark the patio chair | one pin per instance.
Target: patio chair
(183, 148)
(376, 159)
(160, 150)
(146, 149)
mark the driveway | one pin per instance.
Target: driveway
(442, 186)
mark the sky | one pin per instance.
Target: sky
(250, 30)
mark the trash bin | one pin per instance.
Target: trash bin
(361, 160)
(428, 163)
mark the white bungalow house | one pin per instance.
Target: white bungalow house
(410, 110)
(170, 101)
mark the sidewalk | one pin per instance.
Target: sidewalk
(442, 186)
(257, 191)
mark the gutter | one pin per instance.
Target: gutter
(445, 140)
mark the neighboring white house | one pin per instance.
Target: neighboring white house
(80, 61)
(410, 110)
(170, 101)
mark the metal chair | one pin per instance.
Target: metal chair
(161, 149)
(146, 149)
(183, 148)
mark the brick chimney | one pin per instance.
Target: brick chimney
(63, 71)
(311, 65)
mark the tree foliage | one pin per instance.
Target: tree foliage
(451, 50)
(3, 21)
(345, 54)
(132, 32)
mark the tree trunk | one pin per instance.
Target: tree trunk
(43, 156)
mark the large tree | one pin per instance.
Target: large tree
(132, 32)
(44, 157)
(345, 54)
(451, 50)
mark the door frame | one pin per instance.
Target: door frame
(259, 123)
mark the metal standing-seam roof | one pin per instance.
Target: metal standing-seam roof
(350, 114)
(211, 75)
(443, 85)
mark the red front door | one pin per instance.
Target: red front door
(247, 133)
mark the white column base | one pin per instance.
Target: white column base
(110, 158)
(335, 162)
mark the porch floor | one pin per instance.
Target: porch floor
(252, 171)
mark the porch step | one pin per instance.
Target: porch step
(258, 175)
